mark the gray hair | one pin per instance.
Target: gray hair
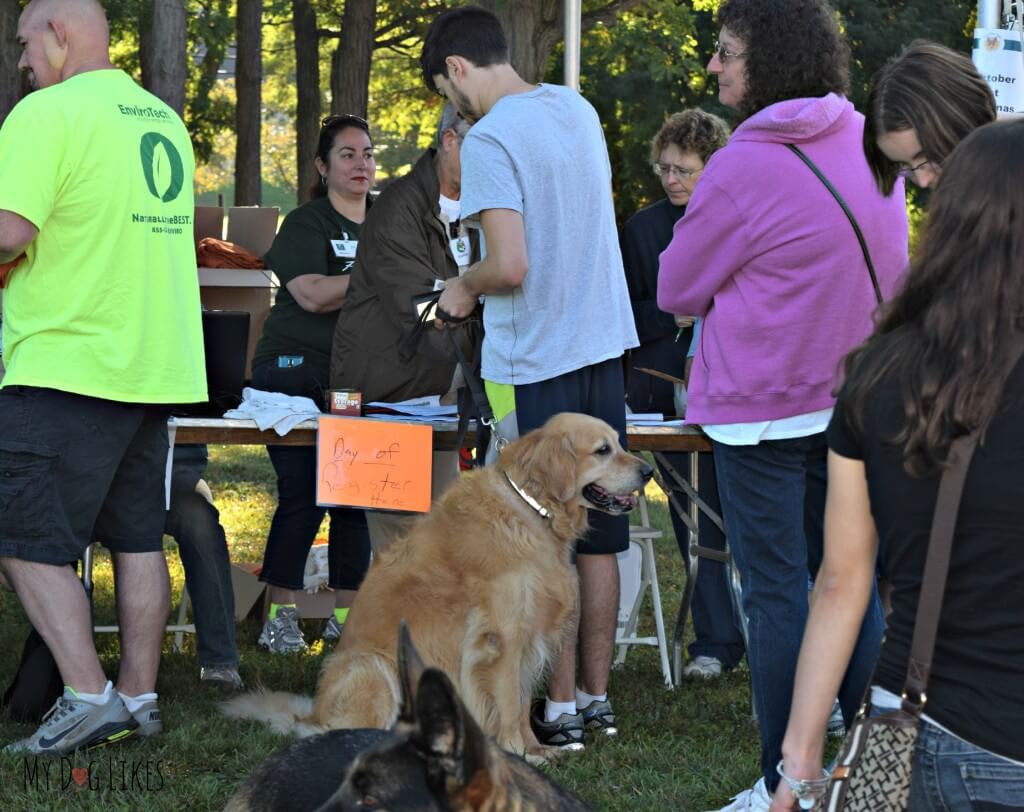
(450, 120)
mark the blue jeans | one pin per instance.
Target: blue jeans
(195, 525)
(951, 775)
(715, 624)
(773, 500)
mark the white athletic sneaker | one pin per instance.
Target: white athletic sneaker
(755, 799)
(702, 667)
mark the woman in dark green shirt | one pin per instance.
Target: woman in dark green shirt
(312, 256)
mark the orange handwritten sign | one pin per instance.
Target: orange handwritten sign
(373, 464)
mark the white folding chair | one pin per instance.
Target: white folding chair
(638, 574)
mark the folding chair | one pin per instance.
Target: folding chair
(638, 573)
(179, 629)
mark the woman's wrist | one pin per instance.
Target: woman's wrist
(803, 762)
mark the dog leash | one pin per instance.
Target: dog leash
(471, 403)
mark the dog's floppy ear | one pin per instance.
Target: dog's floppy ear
(544, 464)
(454, 745)
(410, 669)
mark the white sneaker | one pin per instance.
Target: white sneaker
(755, 799)
(701, 667)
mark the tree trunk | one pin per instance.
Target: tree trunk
(163, 51)
(10, 53)
(248, 79)
(350, 63)
(307, 87)
(533, 28)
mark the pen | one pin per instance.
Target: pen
(679, 334)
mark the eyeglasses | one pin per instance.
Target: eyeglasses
(347, 118)
(725, 55)
(667, 170)
(907, 171)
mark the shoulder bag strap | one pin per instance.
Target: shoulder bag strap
(936, 567)
(849, 214)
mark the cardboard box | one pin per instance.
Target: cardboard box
(252, 595)
(236, 289)
(208, 222)
(253, 227)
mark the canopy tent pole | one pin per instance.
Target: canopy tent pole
(573, 11)
(990, 13)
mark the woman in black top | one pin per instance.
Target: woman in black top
(679, 151)
(932, 371)
(312, 255)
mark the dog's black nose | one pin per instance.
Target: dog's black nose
(647, 471)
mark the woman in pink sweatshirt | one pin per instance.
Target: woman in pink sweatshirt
(766, 255)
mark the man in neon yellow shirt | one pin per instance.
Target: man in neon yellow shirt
(101, 329)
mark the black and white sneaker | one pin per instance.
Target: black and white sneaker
(565, 732)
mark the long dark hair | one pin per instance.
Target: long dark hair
(793, 50)
(932, 90)
(948, 335)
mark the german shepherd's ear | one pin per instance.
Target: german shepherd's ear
(454, 745)
(410, 669)
(543, 463)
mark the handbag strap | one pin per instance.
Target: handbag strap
(936, 567)
(849, 215)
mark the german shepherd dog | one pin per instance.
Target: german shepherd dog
(435, 758)
(486, 582)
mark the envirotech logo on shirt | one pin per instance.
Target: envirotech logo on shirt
(162, 168)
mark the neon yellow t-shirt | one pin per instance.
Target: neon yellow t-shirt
(107, 302)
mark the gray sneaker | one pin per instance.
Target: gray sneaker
(332, 629)
(599, 716)
(148, 717)
(836, 726)
(282, 635)
(223, 676)
(74, 724)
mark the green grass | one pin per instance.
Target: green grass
(687, 749)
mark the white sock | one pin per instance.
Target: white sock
(133, 703)
(552, 710)
(93, 699)
(583, 699)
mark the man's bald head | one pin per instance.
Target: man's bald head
(62, 38)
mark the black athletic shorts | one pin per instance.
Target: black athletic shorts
(76, 469)
(596, 390)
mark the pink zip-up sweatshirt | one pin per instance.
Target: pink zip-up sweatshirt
(767, 257)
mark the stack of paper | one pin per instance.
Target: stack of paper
(417, 410)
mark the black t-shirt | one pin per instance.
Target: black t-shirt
(976, 688)
(313, 239)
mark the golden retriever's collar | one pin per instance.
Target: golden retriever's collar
(527, 498)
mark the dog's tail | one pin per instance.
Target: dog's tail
(284, 712)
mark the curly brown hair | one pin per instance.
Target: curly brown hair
(793, 50)
(691, 130)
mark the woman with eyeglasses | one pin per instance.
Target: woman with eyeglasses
(921, 105)
(899, 410)
(312, 255)
(679, 152)
(768, 257)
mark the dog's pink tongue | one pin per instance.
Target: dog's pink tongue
(630, 501)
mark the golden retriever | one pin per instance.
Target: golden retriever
(485, 583)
